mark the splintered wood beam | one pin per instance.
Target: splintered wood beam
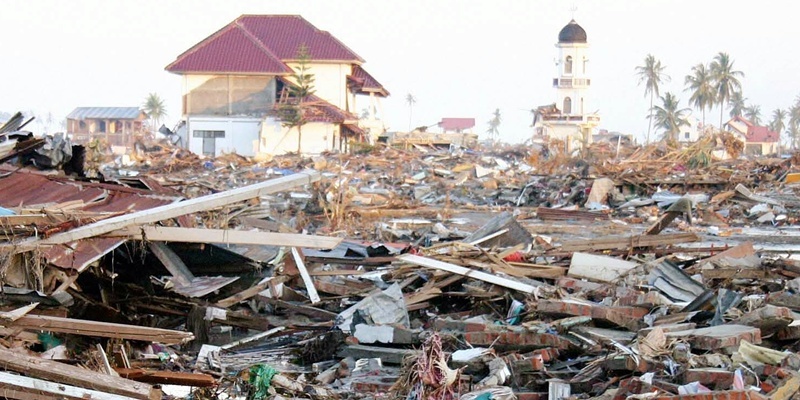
(33, 386)
(174, 210)
(167, 377)
(70, 375)
(100, 329)
(470, 273)
(176, 267)
(626, 243)
(312, 291)
(251, 292)
(225, 236)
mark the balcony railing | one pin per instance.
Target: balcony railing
(571, 82)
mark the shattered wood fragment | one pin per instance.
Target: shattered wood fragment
(101, 329)
(167, 377)
(630, 242)
(251, 292)
(225, 236)
(470, 273)
(41, 388)
(301, 266)
(70, 375)
(598, 268)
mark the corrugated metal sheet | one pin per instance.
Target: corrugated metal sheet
(105, 113)
(28, 188)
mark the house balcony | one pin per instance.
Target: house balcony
(591, 119)
(569, 83)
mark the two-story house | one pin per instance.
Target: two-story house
(235, 80)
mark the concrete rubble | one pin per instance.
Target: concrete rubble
(418, 273)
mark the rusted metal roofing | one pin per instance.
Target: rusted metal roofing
(261, 44)
(27, 188)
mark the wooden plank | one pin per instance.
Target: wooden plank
(312, 291)
(179, 271)
(100, 329)
(167, 377)
(226, 236)
(71, 375)
(470, 273)
(11, 316)
(178, 209)
(627, 242)
(301, 309)
(251, 291)
(253, 338)
(56, 390)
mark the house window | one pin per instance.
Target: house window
(567, 105)
(209, 140)
(209, 134)
(686, 135)
(568, 65)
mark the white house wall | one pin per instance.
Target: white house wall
(317, 138)
(241, 134)
(330, 82)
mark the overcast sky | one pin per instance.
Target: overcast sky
(458, 58)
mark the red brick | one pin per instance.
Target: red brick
(517, 338)
(718, 395)
(628, 317)
(531, 395)
(713, 378)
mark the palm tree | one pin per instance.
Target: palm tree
(726, 80)
(736, 104)
(494, 123)
(702, 87)
(777, 124)
(794, 134)
(669, 116)
(794, 123)
(155, 110)
(652, 75)
(753, 113)
(410, 101)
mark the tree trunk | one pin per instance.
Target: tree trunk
(650, 119)
(721, 109)
(299, 138)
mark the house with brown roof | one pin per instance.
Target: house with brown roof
(117, 125)
(758, 140)
(235, 80)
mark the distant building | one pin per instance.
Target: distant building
(570, 118)
(236, 79)
(690, 133)
(457, 125)
(758, 140)
(117, 125)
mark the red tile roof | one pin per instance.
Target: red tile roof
(231, 49)
(761, 134)
(457, 124)
(362, 81)
(261, 44)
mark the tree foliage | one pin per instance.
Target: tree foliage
(294, 111)
(669, 117)
(155, 109)
(701, 85)
(726, 80)
(652, 75)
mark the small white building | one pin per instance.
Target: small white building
(690, 133)
(570, 118)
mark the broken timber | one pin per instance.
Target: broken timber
(471, 273)
(226, 236)
(101, 329)
(627, 242)
(178, 209)
(70, 375)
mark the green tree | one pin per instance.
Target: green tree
(701, 85)
(154, 108)
(794, 123)
(778, 123)
(410, 101)
(669, 116)
(753, 113)
(293, 113)
(726, 80)
(494, 124)
(651, 74)
(737, 104)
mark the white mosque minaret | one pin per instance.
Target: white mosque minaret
(570, 119)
